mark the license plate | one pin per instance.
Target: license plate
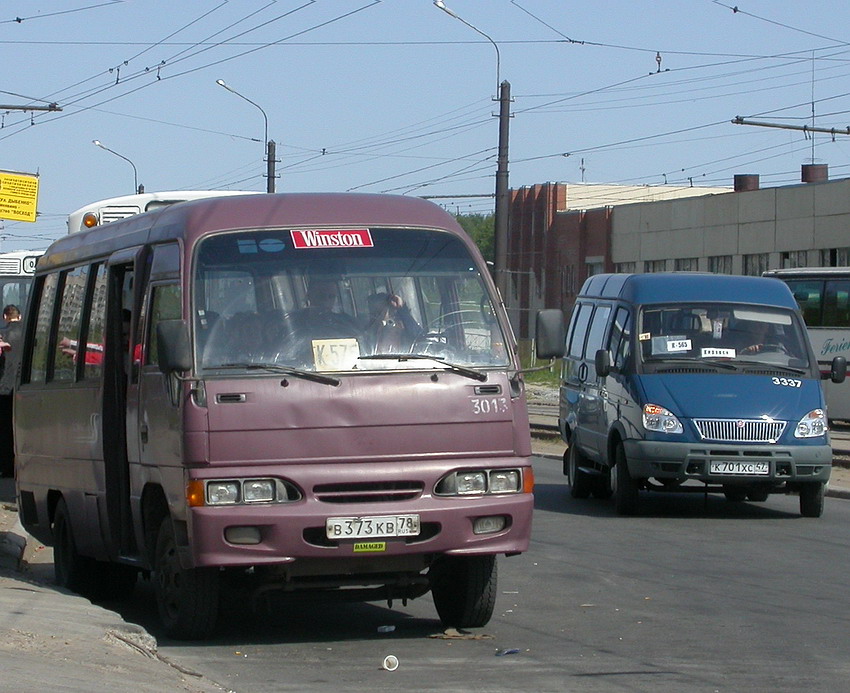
(741, 468)
(372, 526)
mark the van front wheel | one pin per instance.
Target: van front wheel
(625, 488)
(811, 499)
(464, 590)
(186, 598)
(580, 482)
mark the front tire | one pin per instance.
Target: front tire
(625, 488)
(811, 499)
(580, 482)
(187, 599)
(464, 590)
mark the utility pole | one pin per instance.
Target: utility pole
(270, 162)
(500, 268)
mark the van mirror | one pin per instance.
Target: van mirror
(839, 369)
(174, 351)
(602, 361)
(549, 333)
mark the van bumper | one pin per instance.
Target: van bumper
(676, 460)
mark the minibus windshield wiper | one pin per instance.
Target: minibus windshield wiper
(285, 370)
(788, 369)
(461, 370)
(709, 362)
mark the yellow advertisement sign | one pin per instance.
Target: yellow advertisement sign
(18, 196)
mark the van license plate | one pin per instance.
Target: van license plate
(374, 526)
(741, 468)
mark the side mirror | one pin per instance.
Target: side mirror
(602, 361)
(174, 352)
(839, 369)
(549, 333)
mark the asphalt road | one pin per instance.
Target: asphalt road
(694, 594)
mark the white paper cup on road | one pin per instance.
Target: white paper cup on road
(390, 663)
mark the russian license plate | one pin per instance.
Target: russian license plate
(374, 526)
(741, 468)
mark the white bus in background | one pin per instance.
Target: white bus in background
(823, 294)
(115, 208)
(17, 269)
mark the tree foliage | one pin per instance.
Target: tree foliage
(481, 228)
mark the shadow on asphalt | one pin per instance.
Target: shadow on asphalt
(556, 498)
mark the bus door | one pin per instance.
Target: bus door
(121, 323)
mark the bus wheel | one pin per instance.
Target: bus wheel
(811, 499)
(71, 570)
(464, 590)
(579, 480)
(187, 599)
(625, 488)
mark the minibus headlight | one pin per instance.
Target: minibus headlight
(258, 491)
(812, 425)
(479, 482)
(659, 419)
(223, 492)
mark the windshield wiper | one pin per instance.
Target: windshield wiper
(710, 362)
(789, 369)
(461, 370)
(285, 370)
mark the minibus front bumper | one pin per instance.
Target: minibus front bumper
(728, 464)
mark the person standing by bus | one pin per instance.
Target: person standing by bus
(11, 345)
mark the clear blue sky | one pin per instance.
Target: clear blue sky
(396, 95)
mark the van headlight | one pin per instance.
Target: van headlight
(661, 420)
(812, 425)
(479, 482)
(200, 492)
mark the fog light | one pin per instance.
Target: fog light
(242, 535)
(489, 525)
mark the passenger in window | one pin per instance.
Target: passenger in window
(321, 317)
(10, 343)
(390, 327)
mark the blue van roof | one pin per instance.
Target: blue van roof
(664, 287)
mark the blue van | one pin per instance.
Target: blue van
(671, 378)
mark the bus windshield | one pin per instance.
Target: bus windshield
(722, 332)
(390, 298)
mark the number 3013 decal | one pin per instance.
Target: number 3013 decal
(787, 382)
(489, 405)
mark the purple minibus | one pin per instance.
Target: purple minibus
(302, 395)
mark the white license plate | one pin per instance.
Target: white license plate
(372, 526)
(741, 468)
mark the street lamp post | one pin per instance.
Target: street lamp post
(270, 145)
(136, 187)
(500, 237)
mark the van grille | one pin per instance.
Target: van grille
(109, 214)
(368, 492)
(740, 430)
(11, 265)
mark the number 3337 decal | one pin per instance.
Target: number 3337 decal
(787, 382)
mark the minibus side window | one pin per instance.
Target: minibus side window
(836, 303)
(597, 331)
(620, 343)
(579, 329)
(67, 347)
(41, 341)
(165, 305)
(95, 330)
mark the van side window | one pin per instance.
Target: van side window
(67, 348)
(166, 305)
(597, 330)
(620, 343)
(95, 330)
(578, 330)
(44, 310)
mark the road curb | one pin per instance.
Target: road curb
(13, 543)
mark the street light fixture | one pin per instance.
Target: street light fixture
(500, 234)
(136, 187)
(270, 145)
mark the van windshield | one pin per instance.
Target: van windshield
(722, 332)
(358, 299)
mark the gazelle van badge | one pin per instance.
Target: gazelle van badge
(331, 238)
